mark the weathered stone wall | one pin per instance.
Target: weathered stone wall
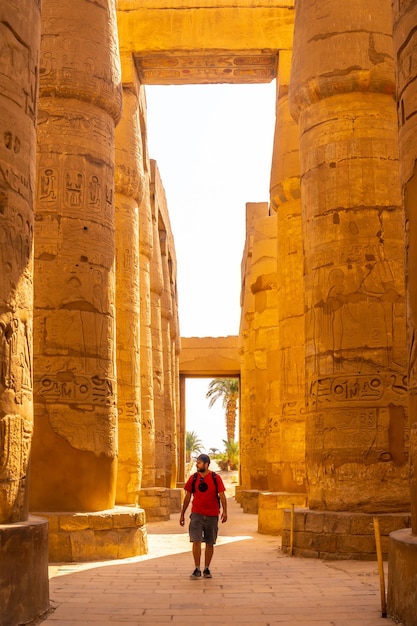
(344, 103)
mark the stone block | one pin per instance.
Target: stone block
(60, 548)
(124, 520)
(362, 524)
(313, 523)
(356, 544)
(53, 521)
(270, 521)
(238, 494)
(73, 521)
(175, 500)
(83, 545)
(392, 522)
(130, 541)
(336, 523)
(100, 521)
(249, 500)
(271, 507)
(150, 502)
(140, 518)
(157, 514)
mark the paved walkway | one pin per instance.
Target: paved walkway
(253, 584)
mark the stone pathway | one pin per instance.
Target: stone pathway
(253, 583)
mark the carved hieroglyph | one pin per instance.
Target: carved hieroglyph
(74, 325)
(129, 189)
(288, 473)
(405, 45)
(344, 102)
(19, 74)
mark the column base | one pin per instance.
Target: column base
(157, 503)
(175, 499)
(116, 533)
(271, 507)
(24, 583)
(339, 535)
(402, 577)
(248, 500)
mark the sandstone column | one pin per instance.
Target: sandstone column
(402, 580)
(74, 452)
(342, 95)
(146, 366)
(24, 588)
(167, 315)
(129, 191)
(18, 99)
(289, 472)
(157, 285)
(254, 297)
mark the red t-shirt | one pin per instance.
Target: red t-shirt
(205, 502)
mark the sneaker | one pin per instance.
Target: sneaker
(196, 573)
(207, 573)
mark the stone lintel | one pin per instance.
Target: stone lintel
(116, 533)
(402, 579)
(339, 535)
(148, 29)
(208, 357)
(24, 583)
(216, 66)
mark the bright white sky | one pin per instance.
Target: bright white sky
(213, 145)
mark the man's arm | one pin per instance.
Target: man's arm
(224, 506)
(185, 507)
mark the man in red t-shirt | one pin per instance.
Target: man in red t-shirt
(205, 510)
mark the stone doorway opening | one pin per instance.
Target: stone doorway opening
(213, 145)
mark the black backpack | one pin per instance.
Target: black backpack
(214, 480)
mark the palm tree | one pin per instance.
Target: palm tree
(192, 444)
(228, 390)
(232, 453)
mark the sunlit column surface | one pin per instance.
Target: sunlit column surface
(405, 44)
(342, 94)
(253, 426)
(20, 40)
(289, 469)
(129, 184)
(157, 345)
(146, 366)
(75, 442)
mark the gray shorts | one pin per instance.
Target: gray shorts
(203, 528)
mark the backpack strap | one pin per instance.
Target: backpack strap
(214, 475)
(215, 484)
